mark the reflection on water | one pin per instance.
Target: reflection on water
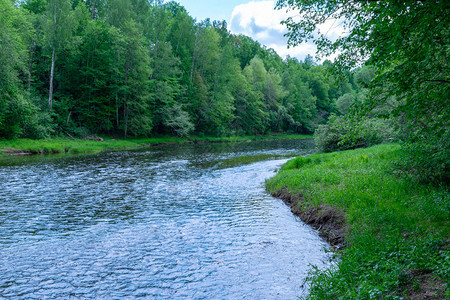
(164, 222)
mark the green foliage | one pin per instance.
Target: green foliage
(178, 120)
(145, 68)
(406, 45)
(392, 221)
(300, 102)
(135, 94)
(296, 163)
(38, 122)
(428, 161)
(15, 31)
(345, 102)
(339, 135)
(249, 159)
(14, 115)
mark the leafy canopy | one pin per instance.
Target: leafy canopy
(405, 41)
(407, 44)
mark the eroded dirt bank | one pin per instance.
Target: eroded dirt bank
(329, 221)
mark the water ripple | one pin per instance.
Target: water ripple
(160, 223)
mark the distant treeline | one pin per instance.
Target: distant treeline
(140, 68)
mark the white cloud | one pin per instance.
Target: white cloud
(259, 20)
(260, 13)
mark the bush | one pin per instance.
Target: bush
(338, 135)
(13, 112)
(344, 102)
(427, 160)
(21, 117)
(39, 124)
(177, 120)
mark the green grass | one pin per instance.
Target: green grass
(65, 145)
(398, 229)
(249, 159)
(253, 138)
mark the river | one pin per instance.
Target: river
(161, 223)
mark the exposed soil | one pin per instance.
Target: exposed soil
(329, 221)
(423, 286)
(331, 224)
(93, 138)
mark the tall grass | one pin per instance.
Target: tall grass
(398, 229)
(249, 159)
(62, 145)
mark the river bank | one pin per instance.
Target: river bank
(392, 232)
(78, 146)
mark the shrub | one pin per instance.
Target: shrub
(338, 135)
(39, 125)
(177, 120)
(427, 160)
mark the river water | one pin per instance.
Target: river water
(160, 223)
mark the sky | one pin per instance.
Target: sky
(256, 19)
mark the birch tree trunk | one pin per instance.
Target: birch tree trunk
(30, 63)
(52, 71)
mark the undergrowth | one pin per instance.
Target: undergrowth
(397, 237)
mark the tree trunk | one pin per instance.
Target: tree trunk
(117, 110)
(52, 70)
(125, 116)
(116, 81)
(192, 66)
(125, 104)
(68, 117)
(93, 11)
(30, 63)
(194, 54)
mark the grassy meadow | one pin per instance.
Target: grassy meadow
(249, 159)
(396, 241)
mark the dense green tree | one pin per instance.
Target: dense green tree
(299, 102)
(205, 68)
(218, 111)
(92, 79)
(58, 25)
(250, 114)
(137, 116)
(14, 31)
(118, 12)
(35, 6)
(246, 49)
(177, 119)
(256, 74)
(165, 78)
(344, 102)
(182, 37)
(143, 67)
(406, 44)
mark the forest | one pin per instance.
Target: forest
(136, 68)
(130, 71)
